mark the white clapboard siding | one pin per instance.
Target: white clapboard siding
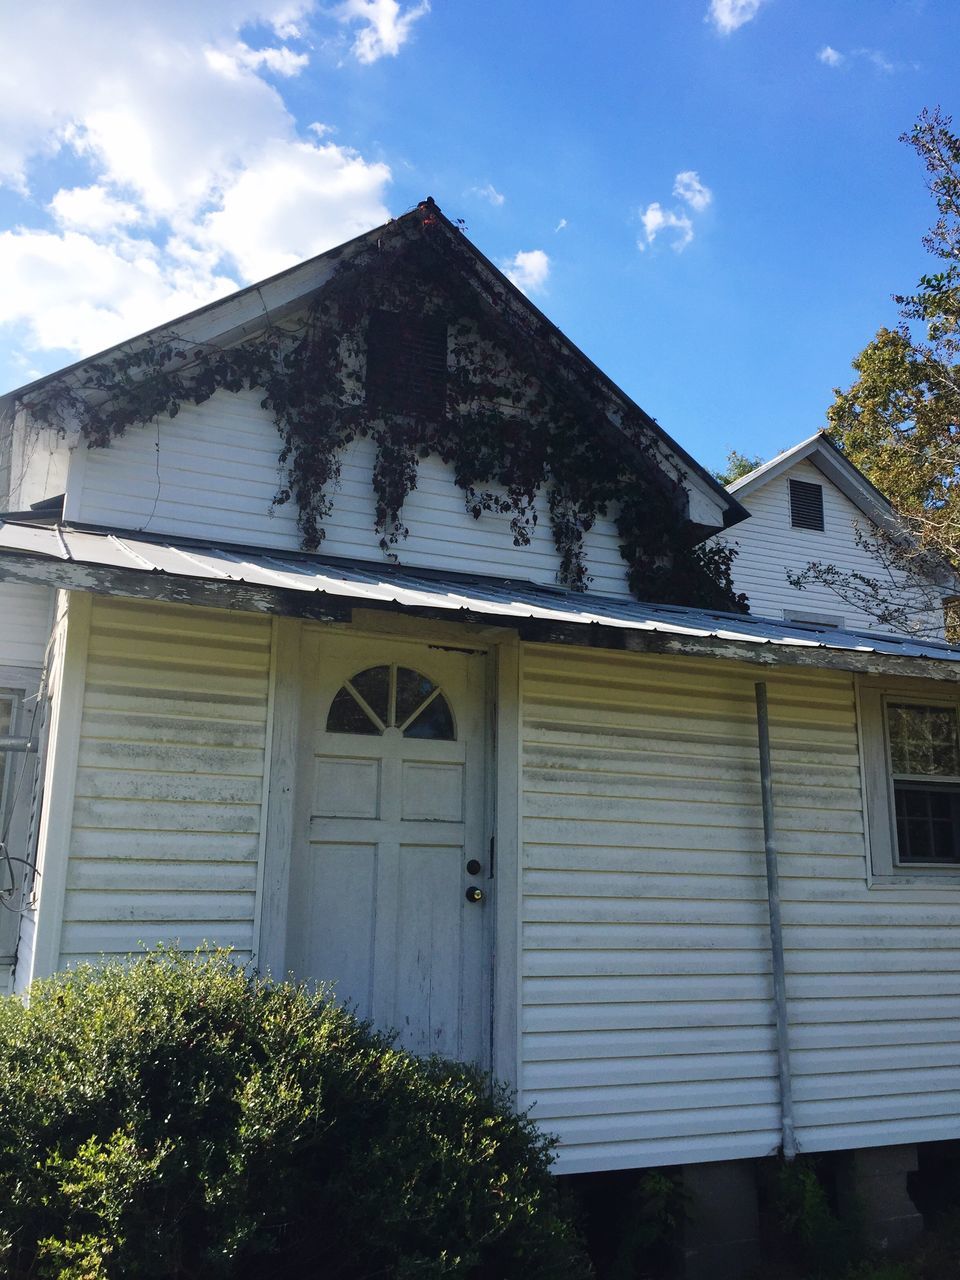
(35, 467)
(167, 816)
(25, 622)
(769, 546)
(212, 473)
(647, 1016)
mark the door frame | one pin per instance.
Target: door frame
(284, 789)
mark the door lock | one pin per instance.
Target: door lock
(474, 894)
(473, 867)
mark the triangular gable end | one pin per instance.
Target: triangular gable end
(525, 410)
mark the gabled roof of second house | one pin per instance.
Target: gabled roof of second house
(242, 314)
(821, 452)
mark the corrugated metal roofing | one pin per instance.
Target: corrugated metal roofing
(504, 599)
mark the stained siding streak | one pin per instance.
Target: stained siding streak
(647, 1027)
(212, 473)
(167, 816)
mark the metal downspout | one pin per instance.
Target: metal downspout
(788, 1134)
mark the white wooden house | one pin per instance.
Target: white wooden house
(519, 823)
(811, 505)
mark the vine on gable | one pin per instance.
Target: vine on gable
(507, 434)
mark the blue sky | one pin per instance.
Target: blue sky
(708, 196)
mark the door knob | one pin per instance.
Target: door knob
(474, 894)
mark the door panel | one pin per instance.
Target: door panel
(392, 810)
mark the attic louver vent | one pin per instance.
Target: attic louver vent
(407, 364)
(806, 505)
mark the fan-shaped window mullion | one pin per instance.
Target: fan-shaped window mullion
(348, 715)
(418, 710)
(366, 706)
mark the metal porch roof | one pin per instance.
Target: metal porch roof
(90, 559)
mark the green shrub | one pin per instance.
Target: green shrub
(176, 1119)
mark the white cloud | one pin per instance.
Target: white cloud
(877, 58)
(281, 61)
(490, 192)
(385, 27)
(528, 269)
(687, 186)
(68, 292)
(560, 225)
(728, 15)
(655, 219)
(292, 201)
(197, 178)
(830, 57)
(93, 209)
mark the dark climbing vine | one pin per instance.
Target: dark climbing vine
(519, 418)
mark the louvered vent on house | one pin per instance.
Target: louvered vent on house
(806, 505)
(407, 364)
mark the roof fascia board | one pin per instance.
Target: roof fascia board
(821, 453)
(762, 475)
(228, 319)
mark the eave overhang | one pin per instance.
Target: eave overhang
(187, 572)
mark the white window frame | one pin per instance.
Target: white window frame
(883, 865)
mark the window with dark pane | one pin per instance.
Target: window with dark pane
(413, 689)
(925, 764)
(373, 686)
(434, 721)
(348, 716)
(806, 504)
(407, 364)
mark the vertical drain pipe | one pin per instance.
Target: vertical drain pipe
(776, 929)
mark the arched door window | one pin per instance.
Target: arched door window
(391, 697)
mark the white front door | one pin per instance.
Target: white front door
(389, 886)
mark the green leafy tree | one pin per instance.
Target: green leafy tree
(736, 466)
(900, 420)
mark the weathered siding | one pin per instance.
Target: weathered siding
(647, 1023)
(26, 614)
(212, 473)
(769, 546)
(165, 841)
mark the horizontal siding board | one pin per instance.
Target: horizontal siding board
(102, 938)
(177, 788)
(135, 815)
(155, 757)
(609, 1100)
(711, 1069)
(709, 1011)
(144, 909)
(167, 817)
(94, 842)
(587, 1157)
(129, 875)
